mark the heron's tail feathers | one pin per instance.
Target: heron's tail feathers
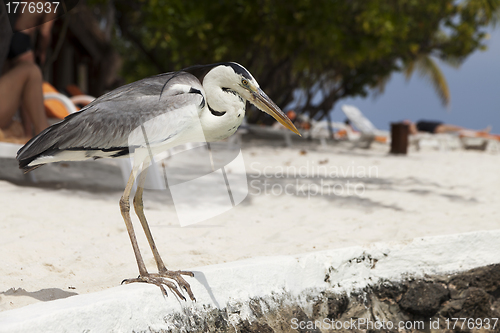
(32, 150)
(28, 169)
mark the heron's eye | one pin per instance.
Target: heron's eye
(244, 82)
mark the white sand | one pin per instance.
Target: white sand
(56, 243)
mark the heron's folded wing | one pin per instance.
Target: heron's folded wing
(173, 99)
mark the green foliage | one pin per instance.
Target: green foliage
(342, 48)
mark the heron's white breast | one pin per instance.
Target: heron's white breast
(217, 128)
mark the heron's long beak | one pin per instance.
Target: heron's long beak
(264, 103)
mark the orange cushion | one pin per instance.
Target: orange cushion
(342, 133)
(53, 108)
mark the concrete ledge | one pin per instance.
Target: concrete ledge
(227, 294)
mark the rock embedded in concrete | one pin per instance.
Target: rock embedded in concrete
(424, 298)
(412, 300)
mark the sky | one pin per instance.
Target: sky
(474, 89)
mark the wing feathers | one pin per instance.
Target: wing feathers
(107, 122)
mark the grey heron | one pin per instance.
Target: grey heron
(213, 96)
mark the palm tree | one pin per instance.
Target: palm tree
(429, 69)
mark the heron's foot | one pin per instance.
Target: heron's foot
(161, 280)
(177, 277)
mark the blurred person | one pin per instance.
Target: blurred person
(303, 121)
(30, 27)
(21, 83)
(434, 127)
(347, 123)
(348, 131)
(21, 87)
(5, 34)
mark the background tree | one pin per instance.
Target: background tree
(311, 52)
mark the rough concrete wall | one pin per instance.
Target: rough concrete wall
(473, 294)
(411, 281)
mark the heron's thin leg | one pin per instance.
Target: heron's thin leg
(144, 276)
(125, 209)
(139, 210)
(162, 270)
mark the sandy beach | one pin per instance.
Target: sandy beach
(63, 238)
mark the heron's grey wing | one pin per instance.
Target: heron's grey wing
(167, 84)
(107, 122)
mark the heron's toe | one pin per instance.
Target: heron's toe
(160, 281)
(177, 277)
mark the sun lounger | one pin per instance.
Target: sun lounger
(486, 142)
(439, 141)
(271, 133)
(452, 141)
(9, 150)
(320, 131)
(57, 106)
(368, 132)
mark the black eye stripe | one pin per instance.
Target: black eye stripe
(230, 91)
(234, 93)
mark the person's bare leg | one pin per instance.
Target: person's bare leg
(162, 270)
(487, 130)
(413, 128)
(27, 125)
(22, 85)
(11, 87)
(33, 100)
(445, 128)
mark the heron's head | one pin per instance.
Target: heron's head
(238, 78)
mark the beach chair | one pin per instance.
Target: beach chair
(437, 141)
(494, 145)
(320, 131)
(368, 132)
(269, 132)
(463, 139)
(57, 106)
(483, 142)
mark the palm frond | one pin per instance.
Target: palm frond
(429, 69)
(487, 9)
(409, 69)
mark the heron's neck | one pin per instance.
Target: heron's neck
(220, 97)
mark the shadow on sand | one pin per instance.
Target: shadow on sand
(43, 295)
